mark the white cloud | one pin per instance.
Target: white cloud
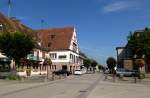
(120, 5)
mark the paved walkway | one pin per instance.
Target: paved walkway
(85, 86)
(120, 90)
(71, 87)
(125, 88)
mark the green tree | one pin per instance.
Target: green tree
(93, 65)
(139, 63)
(87, 63)
(100, 67)
(139, 43)
(111, 63)
(82, 54)
(16, 45)
(47, 61)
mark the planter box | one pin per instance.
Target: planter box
(35, 73)
(22, 73)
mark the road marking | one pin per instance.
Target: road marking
(86, 92)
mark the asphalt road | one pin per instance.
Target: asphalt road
(72, 87)
(85, 86)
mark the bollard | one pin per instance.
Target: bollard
(105, 76)
(22, 79)
(121, 76)
(114, 78)
(45, 79)
(135, 79)
(53, 76)
(59, 76)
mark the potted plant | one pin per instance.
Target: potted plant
(28, 71)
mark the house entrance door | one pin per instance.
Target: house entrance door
(64, 67)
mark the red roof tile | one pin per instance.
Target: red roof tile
(56, 38)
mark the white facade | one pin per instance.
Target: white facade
(68, 58)
(64, 56)
(73, 50)
(74, 43)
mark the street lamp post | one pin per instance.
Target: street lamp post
(134, 58)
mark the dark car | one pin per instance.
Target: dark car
(62, 72)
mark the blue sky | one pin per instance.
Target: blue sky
(102, 25)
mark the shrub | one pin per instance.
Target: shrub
(111, 63)
(13, 77)
(142, 76)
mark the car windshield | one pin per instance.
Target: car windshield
(77, 70)
(121, 69)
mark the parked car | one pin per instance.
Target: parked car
(62, 72)
(78, 72)
(124, 72)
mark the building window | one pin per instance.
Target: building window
(53, 55)
(70, 68)
(49, 44)
(52, 36)
(71, 56)
(76, 59)
(62, 57)
(74, 47)
(50, 67)
(55, 67)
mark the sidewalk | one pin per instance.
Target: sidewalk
(16, 87)
(127, 80)
(7, 82)
(125, 88)
(9, 87)
(106, 89)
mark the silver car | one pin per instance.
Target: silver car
(124, 72)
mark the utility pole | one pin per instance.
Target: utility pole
(9, 7)
(40, 43)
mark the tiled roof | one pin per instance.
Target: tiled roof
(56, 38)
(13, 25)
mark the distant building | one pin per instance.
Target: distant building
(63, 46)
(123, 54)
(125, 59)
